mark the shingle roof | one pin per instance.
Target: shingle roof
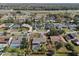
(16, 41)
(3, 41)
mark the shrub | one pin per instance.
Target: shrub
(69, 47)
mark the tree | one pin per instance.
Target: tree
(28, 22)
(73, 53)
(58, 45)
(76, 20)
(69, 47)
(42, 47)
(5, 33)
(77, 28)
(10, 20)
(61, 31)
(18, 51)
(24, 43)
(24, 46)
(54, 31)
(19, 12)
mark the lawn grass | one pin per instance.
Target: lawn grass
(76, 48)
(66, 29)
(2, 30)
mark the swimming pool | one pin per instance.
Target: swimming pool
(15, 45)
(2, 46)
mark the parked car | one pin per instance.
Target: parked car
(75, 42)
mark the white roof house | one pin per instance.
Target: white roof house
(29, 26)
(16, 42)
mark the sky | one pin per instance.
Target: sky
(39, 1)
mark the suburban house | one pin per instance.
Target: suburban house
(2, 26)
(1, 33)
(7, 25)
(58, 25)
(21, 18)
(16, 42)
(16, 26)
(37, 40)
(72, 26)
(27, 26)
(70, 36)
(4, 41)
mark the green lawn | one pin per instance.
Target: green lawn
(66, 29)
(2, 30)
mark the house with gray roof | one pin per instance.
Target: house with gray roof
(16, 42)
